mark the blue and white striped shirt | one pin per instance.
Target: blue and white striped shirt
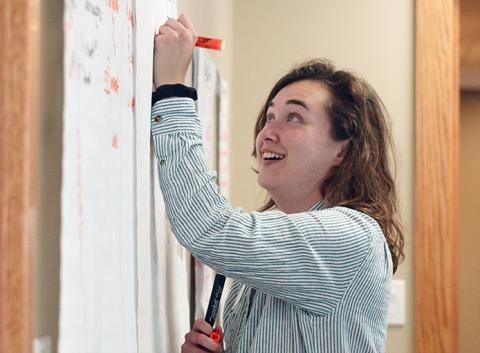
(316, 281)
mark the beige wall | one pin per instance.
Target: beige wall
(374, 38)
(469, 222)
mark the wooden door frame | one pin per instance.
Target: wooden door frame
(437, 176)
(19, 78)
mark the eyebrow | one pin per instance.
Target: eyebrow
(293, 101)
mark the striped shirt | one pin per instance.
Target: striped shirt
(316, 281)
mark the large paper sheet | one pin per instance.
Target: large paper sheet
(98, 259)
(205, 80)
(163, 265)
(224, 139)
(124, 278)
(223, 164)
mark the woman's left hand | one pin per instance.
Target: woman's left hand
(173, 51)
(198, 340)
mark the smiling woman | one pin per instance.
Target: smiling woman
(297, 126)
(345, 132)
(312, 271)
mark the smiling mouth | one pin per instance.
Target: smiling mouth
(270, 156)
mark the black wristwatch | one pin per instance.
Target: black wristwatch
(175, 90)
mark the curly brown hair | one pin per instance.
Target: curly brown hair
(363, 181)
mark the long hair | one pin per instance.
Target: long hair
(363, 181)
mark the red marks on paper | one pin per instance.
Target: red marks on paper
(115, 141)
(114, 84)
(114, 7)
(111, 82)
(113, 4)
(131, 105)
(131, 25)
(130, 17)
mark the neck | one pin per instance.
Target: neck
(296, 203)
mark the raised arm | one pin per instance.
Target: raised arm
(308, 259)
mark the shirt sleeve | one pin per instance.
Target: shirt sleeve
(308, 259)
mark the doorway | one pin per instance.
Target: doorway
(469, 259)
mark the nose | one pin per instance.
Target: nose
(270, 132)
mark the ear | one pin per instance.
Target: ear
(342, 153)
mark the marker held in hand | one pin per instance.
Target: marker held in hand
(213, 304)
(210, 43)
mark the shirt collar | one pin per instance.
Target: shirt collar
(320, 205)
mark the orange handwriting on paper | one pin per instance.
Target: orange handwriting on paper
(113, 4)
(115, 141)
(130, 17)
(112, 83)
(132, 104)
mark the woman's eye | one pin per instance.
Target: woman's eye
(294, 117)
(268, 118)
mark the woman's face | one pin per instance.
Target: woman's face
(295, 151)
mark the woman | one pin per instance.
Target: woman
(311, 272)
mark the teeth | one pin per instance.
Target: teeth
(271, 155)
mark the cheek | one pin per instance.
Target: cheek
(314, 151)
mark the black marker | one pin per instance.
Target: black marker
(214, 303)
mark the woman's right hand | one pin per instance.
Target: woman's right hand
(198, 340)
(172, 51)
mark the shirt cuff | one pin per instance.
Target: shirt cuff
(175, 90)
(174, 115)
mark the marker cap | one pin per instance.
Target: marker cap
(210, 43)
(216, 336)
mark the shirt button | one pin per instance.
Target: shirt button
(158, 118)
(162, 162)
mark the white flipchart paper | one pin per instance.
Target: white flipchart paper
(98, 259)
(206, 81)
(124, 278)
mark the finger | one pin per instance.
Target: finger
(202, 326)
(166, 30)
(190, 348)
(176, 25)
(204, 341)
(164, 24)
(183, 19)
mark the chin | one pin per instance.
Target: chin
(262, 182)
(266, 184)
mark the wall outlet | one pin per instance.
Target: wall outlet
(396, 307)
(42, 345)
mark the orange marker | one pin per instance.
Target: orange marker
(215, 336)
(210, 43)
